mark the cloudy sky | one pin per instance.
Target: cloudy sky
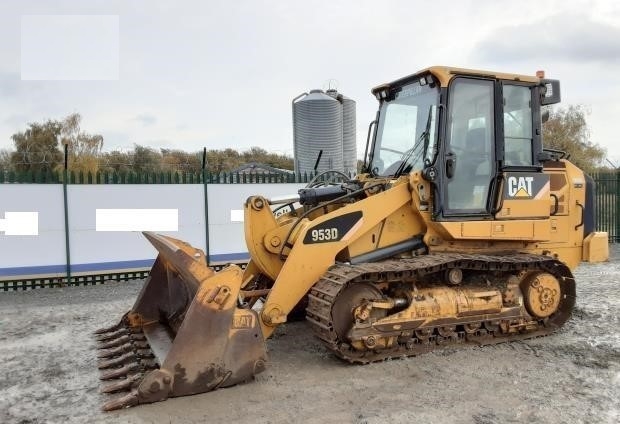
(188, 74)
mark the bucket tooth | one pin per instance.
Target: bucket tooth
(120, 372)
(112, 335)
(114, 343)
(130, 399)
(126, 384)
(114, 362)
(108, 353)
(127, 357)
(121, 340)
(127, 347)
(109, 329)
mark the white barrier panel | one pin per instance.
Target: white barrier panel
(94, 251)
(40, 252)
(105, 224)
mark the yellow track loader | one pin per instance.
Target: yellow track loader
(461, 229)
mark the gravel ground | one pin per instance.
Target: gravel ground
(48, 372)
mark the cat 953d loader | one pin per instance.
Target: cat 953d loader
(461, 229)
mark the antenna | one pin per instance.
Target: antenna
(331, 84)
(318, 159)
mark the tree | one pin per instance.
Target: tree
(116, 161)
(568, 130)
(223, 160)
(37, 148)
(146, 159)
(260, 155)
(84, 148)
(5, 160)
(256, 154)
(179, 160)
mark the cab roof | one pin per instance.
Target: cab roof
(445, 73)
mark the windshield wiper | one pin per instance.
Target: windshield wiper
(425, 138)
(427, 130)
(406, 157)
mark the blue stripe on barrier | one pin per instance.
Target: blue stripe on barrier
(33, 270)
(230, 257)
(106, 266)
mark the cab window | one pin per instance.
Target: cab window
(517, 125)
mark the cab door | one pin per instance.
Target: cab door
(469, 151)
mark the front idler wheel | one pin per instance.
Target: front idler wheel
(541, 293)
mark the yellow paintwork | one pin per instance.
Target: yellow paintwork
(445, 73)
(305, 263)
(596, 247)
(498, 230)
(261, 221)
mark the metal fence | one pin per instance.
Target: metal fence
(171, 177)
(608, 203)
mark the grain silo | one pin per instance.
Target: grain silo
(320, 123)
(349, 138)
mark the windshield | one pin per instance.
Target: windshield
(406, 131)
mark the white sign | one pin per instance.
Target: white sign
(236, 215)
(20, 224)
(137, 220)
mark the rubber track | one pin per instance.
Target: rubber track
(324, 293)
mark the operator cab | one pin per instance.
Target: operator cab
(475, 136)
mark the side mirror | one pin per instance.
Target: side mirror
(550, 92)
(544, 115)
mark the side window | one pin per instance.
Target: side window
(471, 143)
(517, 125)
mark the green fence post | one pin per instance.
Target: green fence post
(206, 199)
(616, 234)
(66, 206)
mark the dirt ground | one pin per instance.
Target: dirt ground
(48, 372)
